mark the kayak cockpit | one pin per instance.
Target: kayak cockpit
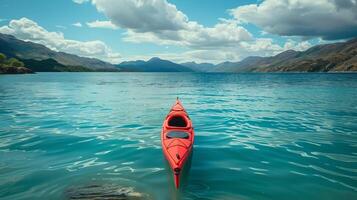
(177, 121)
(177, 134)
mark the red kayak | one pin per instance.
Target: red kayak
(177, 139)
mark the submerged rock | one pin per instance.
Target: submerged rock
(106, 192)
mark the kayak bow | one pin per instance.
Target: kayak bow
(177, 139)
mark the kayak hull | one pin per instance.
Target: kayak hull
(177, 138)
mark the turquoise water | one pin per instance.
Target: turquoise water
(258, 136)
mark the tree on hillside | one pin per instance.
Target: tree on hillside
(15, 63)
(12, 66)
(2, 58)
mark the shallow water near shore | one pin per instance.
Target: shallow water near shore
(258, 136)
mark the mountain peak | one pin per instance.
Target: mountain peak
(155, 64)
(154, 59)
(286, 54)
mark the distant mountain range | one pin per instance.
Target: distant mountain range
(153, 65)
(337, 57)
(334, 57)
(39, 58)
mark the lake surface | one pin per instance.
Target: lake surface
(258, 136)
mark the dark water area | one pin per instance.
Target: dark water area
(258, 136)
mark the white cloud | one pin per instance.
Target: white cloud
(267, 47)
(199, 56)
(78, 24)
(6, 30)
(102, 24)
(227, 40)
(158, 21)
(143, 16)
(222, 35)
(257, 47)
(28, 30)
(329, 19)
(80, 1)
(213, 56)
(297, 46)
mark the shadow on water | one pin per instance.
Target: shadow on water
(177, 193)
(186, 171)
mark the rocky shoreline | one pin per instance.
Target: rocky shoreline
(12, 66)
(15, 70)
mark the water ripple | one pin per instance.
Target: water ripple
(258, 136)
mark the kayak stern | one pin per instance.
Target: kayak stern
(177, 172)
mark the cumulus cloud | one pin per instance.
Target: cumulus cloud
(28, 30)
(199, 56)
(267, 46)
(102, 24)
(158, 21)
(78, 24)
(297, 46)
(329, 19)
(222, 35)
(256, 47)
(143, 16)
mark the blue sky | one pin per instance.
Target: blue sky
(179, 30)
